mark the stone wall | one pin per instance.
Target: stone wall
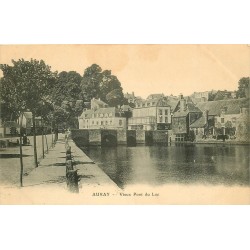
(140, 136)
(95, 137)
(243, 128)
(160, 136)
(122, 137)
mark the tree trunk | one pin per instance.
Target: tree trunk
(52, 134)
(34, 136)
(42, 139)
(46, 142)
(21, 152)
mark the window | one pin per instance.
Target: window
(110, 122)
(101, 122)
(106, 122)
(166, 111)
(160, 112)
(120, 122)
(93, 122)
(97, 123)
(196, 131)
(160, 119)
(222, 120)
(166, 119)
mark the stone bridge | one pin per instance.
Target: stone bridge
(113, 137)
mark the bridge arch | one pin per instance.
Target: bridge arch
(131, 141)
(108, 138)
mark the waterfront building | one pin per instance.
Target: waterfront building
(185, 114)
(151, 114)
(225, 116)
(101, 116)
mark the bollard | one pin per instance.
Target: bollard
(71, 174)
(69, 166)
(72, 181)
(68, 150)
(68, 157)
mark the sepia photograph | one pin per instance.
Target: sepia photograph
(124, 124)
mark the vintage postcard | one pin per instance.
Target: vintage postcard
(124, 124)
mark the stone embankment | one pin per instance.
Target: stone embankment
(47, 184)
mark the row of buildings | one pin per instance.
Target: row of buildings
(180, 117)
(9, 128)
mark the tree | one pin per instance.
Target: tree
(68, 87)
(115, 97)
(109, 83)
(243, 87)
(25, 85)
(91, 82)
(99, 84)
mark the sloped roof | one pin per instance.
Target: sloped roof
(190, 107)
(172, 102)
(154, 102)
(199, 123)
(89, 112)
(233, 106)
(181, 113)
(154, 96)
(106, 110)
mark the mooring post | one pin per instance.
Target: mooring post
(71, 174)
(72, 178)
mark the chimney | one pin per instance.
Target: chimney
(182, 103)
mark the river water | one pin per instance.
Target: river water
(183, 164)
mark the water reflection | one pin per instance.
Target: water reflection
(187, 164)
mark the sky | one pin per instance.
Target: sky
(147, 69)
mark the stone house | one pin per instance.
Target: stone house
(224, 114)
(151, 114)
(100, 116)
(185, 114)
(27, 123)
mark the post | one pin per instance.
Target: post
(42, 137)
(71, 174)
(52, 133)
(34, 136)
(21, 152)
(46, 142)
(72, 178)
